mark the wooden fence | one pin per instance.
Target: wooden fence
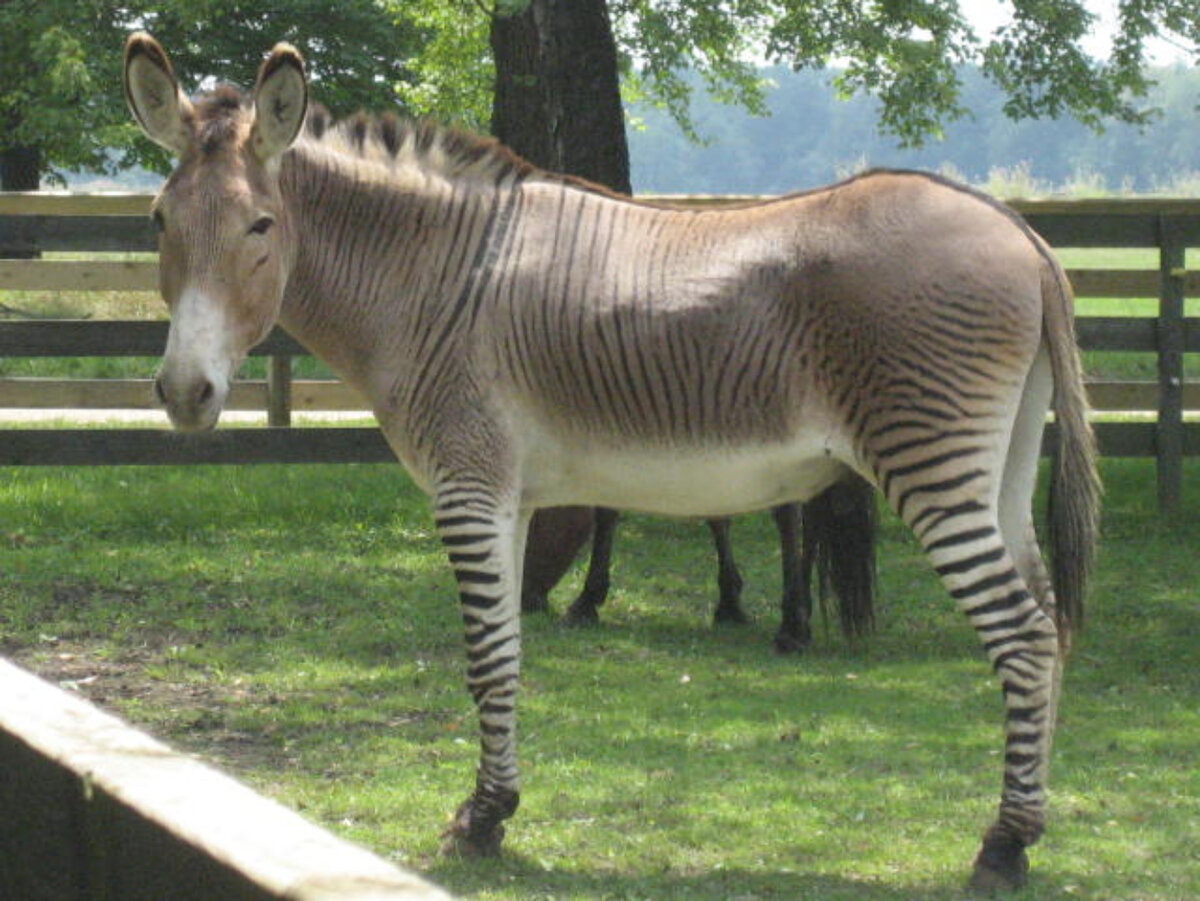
(118, 223)
(94, 809)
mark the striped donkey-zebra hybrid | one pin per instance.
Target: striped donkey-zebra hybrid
(528, 340)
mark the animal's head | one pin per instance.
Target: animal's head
(224, 241)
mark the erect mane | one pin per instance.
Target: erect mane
(395, 140)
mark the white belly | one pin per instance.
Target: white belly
(681, 482)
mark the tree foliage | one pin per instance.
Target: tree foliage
(907, 54)
(813, 137)
(61, 94)
(60, 65)
(55, 101)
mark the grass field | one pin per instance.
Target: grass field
(298, 626)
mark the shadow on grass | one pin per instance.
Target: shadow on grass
(514, 875)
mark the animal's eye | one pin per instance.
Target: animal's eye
(262, 225)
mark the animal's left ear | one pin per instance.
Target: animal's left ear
(280, 102)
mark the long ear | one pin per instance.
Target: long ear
(153, 94)
(280, 102)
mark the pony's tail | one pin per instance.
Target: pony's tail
(839, 535)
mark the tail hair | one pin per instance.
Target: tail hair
(1075, 489)
(839, 535)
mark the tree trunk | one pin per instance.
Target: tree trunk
(558, 100)
(20, 169)
(557, 103)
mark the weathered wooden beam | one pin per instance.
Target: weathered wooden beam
(163, 447)
(94, 809)
(1171, 341)
(79, 275)
(311, 395)
(62, 203)
(357, 444)
(108, 338)
(95, 234)
(328, 395)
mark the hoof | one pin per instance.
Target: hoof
(730, 616)
(1002, 866)
(463, 840)
(581, 615)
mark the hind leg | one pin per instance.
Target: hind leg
(947, 488)
(966, 546)
(1020, 482)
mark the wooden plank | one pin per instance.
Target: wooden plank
(125, 338)
(94, 809)
(1093, 207)
(163, 447)
(79, 275)
(1130, 439)
(107, 338)
(142, 275)
(308, 395)
(1075, 229)
(1116, 333)
(1132, 333)
(63, 203)
(1126, 396)
(109, 394)
(104, 234)
(1170, 366)
(1114, 282)
(325, 395)
(279, 391)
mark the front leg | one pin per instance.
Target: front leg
(485, 538)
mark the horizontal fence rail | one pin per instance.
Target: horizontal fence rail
(33, 224)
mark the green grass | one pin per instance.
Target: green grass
(297, 624)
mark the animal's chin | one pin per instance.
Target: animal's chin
(184, 422)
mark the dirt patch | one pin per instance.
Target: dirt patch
(191, 715)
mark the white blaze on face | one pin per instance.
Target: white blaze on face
(199, 361)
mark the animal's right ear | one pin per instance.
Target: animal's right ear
(153, 94)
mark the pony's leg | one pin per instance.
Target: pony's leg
(595, 585)
(555, 538)
(729, 580)
(957, 520)
(795, 607)
(485, 540)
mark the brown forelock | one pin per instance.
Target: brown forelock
(217, 117)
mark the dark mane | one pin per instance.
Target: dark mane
(217, 115)
(426, 144)
(397, 139)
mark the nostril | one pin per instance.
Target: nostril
(159, 392)
(206, 393)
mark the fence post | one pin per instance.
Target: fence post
(279, 390)
(1169, 443)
